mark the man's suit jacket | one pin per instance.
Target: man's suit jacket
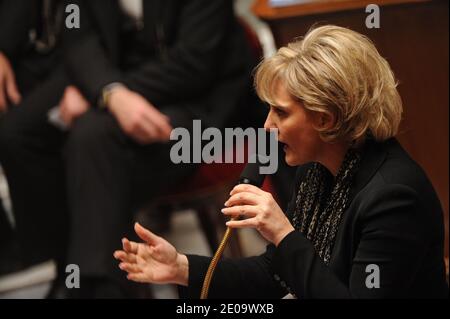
(16, 19)
(201, 64)
(394, 221)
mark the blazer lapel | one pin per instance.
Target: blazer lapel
(373, 156)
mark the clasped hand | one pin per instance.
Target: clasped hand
(260, 211)
(137, 117)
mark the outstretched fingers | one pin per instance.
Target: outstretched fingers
(124, 256)
(130, 268)
(129, 246)
(146, 235)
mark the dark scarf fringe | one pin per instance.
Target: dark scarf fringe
(321, 202)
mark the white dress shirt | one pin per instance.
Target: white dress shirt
(132, 8)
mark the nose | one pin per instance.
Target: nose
(269, 123)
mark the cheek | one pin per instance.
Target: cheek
(299, 133)
(305, 145)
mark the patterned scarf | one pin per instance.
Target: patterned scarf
(321, 202)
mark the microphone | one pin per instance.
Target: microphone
(250, 175)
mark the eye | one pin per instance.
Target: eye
(279, 112)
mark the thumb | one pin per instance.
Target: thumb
(145, 234)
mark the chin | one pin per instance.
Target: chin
(295, 161)
(291, 161)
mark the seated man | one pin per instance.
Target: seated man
(135, 70)
(30, 74)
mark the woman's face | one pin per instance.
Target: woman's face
(301, 141)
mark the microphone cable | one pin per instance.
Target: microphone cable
(250, 175)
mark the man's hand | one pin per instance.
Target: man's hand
(8, 87)
(138, 118)
(153, 261)
(72, 105)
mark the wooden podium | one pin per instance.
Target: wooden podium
(413, 36)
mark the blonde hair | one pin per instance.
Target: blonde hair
(339, 72)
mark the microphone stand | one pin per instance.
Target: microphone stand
(214, 261)
(250, 175)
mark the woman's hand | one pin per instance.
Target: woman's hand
(154, 261)
(260, 210)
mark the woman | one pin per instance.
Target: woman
(363, 222)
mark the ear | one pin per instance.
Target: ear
(325, 120)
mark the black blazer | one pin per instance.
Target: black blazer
(201, 63)
(394, 220)
(16, 19)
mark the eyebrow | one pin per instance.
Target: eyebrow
(281, 107)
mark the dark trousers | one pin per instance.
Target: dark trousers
(74, 193)
(5, 227)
